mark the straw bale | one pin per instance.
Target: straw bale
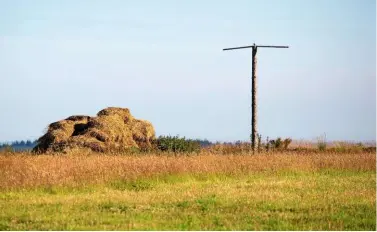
(78, 118)
(113, 129)
(143, 133)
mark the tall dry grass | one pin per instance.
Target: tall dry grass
(25, 170)
(295, 146)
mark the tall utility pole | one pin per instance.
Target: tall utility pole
(254, 90)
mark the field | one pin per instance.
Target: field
(276, 191)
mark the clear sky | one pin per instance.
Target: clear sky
(164, 60)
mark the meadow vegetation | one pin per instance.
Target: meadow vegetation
(212, 189)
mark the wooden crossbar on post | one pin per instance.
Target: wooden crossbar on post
(254, 132)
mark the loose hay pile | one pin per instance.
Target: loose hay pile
(114, 129)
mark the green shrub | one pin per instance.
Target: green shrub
(176, 144)
(278, 144)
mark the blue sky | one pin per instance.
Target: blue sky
(164, 61)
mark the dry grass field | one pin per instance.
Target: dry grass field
(205, 191)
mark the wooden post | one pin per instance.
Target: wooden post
(254, 119)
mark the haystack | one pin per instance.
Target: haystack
(114, 129)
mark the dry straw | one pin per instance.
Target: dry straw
(114, 129)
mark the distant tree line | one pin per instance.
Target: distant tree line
(203, 142)
(19, 145)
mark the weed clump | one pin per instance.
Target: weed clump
(279, 144)
(321, 142)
